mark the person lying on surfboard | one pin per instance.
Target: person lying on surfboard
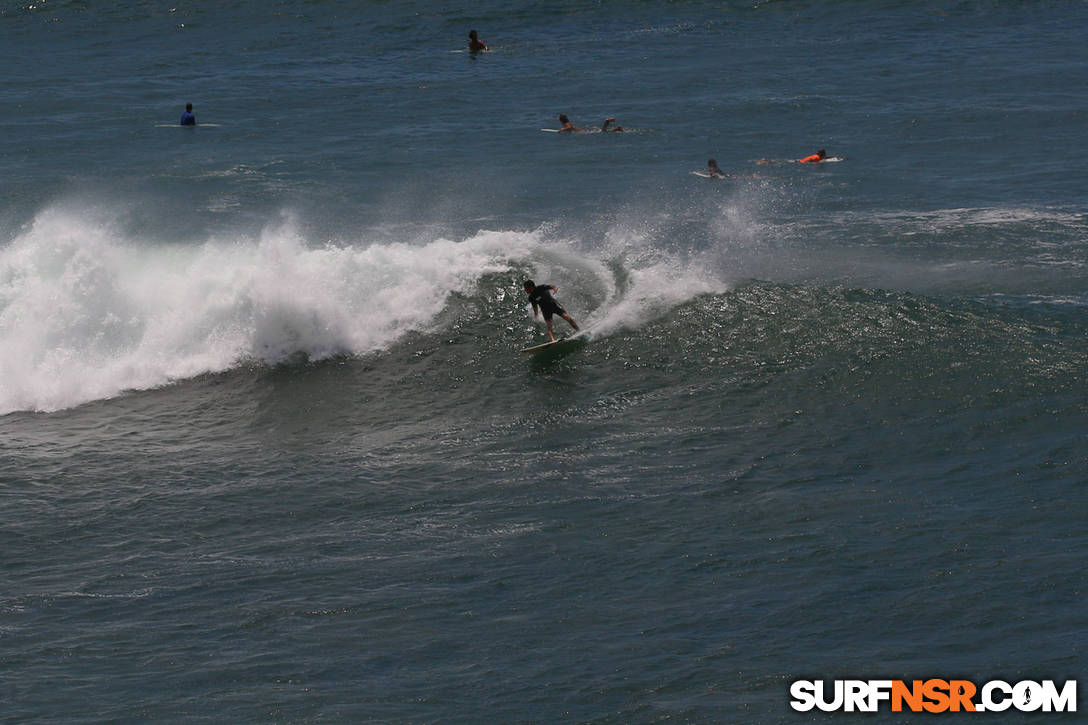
(814, 158)
(540, 296)
(713, 170)
(567, 126)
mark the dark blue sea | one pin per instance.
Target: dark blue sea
(270, 452)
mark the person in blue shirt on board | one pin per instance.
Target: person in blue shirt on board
(540, 295)
(188, 118)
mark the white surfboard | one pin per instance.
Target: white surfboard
(193, 125)
(705, 175)
(581, 336)
(551, 130)
(544, 346)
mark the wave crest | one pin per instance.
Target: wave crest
(88, 311)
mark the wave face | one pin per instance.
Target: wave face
(89, 310)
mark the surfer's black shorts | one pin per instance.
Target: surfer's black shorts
(549, 310)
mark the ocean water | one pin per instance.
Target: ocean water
(269, 451)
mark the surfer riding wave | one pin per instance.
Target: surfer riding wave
(540, 296)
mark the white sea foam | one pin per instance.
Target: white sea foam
(958, 218)
(654, 278)
(87, 313)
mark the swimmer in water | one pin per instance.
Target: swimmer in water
(713, 170)
(475, 45)
(614, 129)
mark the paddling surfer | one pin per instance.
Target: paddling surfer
(607, 126)
(814, 158)
(566, 126)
